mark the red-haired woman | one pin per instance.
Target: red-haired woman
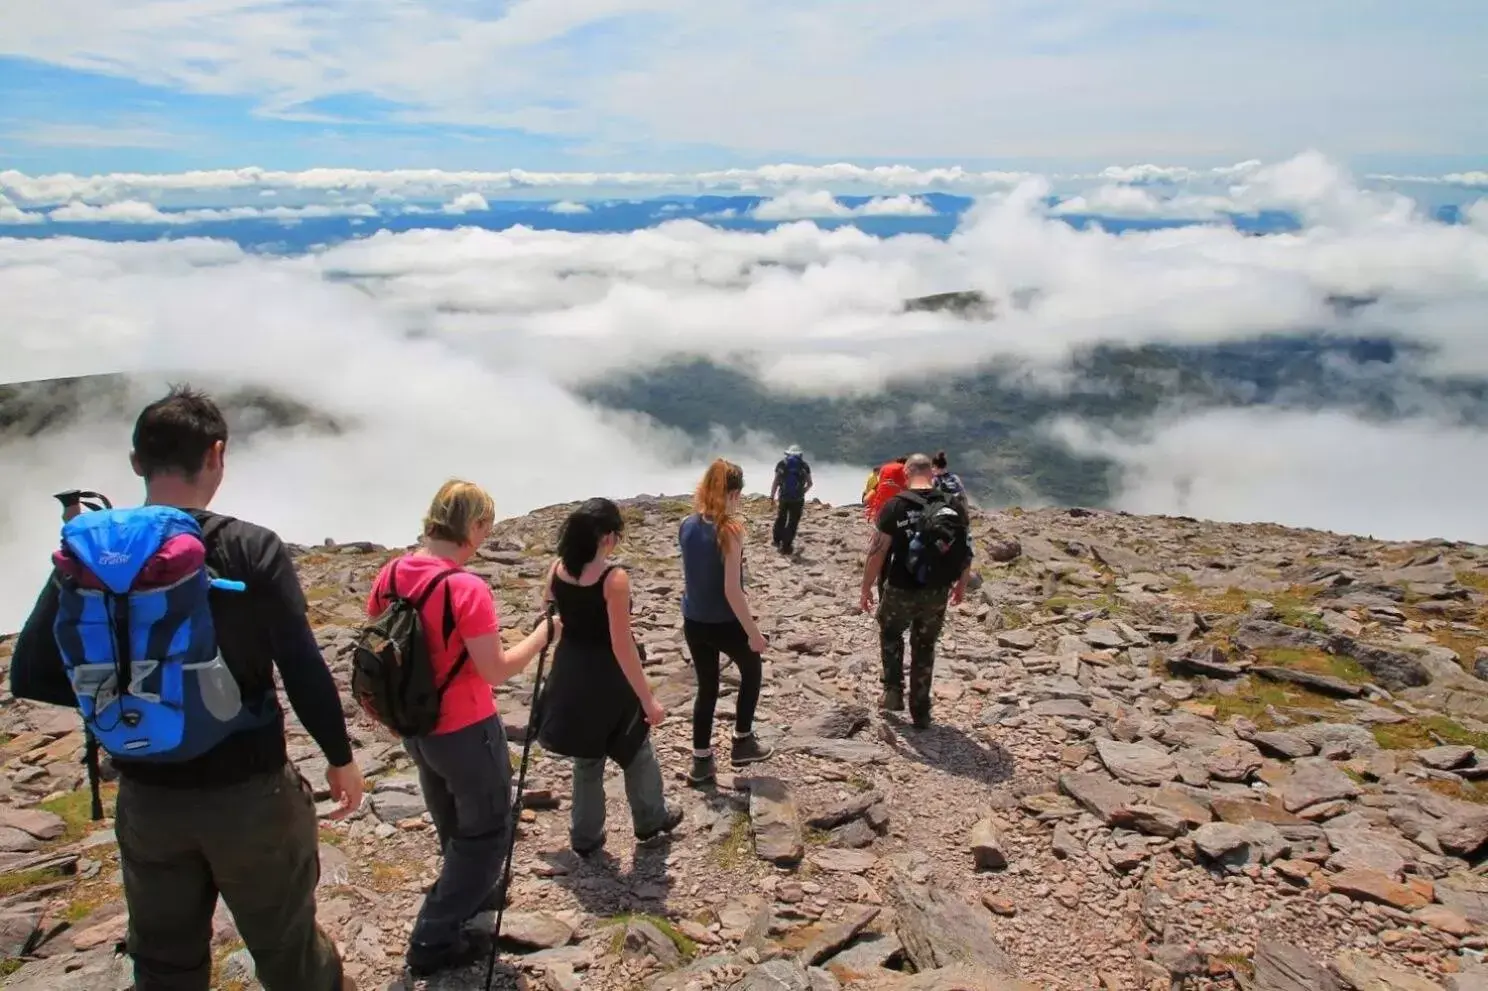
(717, 618)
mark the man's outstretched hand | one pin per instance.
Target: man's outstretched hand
(346, 788)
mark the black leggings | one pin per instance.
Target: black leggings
(706, 641)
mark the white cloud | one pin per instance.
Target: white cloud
(466, 202)
(1409, 480)
(139, 212)
(12, 214)
(569, 207)
(896, 206)
(801, 204)
(799, 191)
(404, 184)
(1140, 203)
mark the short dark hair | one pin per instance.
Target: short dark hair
(176, 432)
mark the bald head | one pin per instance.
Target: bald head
(917, 467)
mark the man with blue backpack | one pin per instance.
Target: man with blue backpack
(922, 543)
(788, 492)
(163, 625)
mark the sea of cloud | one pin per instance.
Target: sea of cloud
(456, 353)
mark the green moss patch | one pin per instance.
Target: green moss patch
(76, 810)
(1315, 661)
(1424, 732)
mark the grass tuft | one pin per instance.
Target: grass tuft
(734, 849)
(1315, 661)
(22, 880)
(684, 946)
(76, 810)
(1422, 733)
(1255, 698)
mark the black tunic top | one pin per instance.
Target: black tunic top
(588, 706)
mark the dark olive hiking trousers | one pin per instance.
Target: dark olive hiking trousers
(256, 844)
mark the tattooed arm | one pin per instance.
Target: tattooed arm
(878, 552)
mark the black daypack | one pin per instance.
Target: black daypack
(392, 673)
(939, 547)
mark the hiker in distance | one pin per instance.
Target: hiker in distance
(208, 801)
(717, 619)
(463, 768)
(788, 493)
(923, 543)
(598, 704)
(948, 481)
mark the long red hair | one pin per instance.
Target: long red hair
(722, 479)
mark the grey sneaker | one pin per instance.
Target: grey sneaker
(747, 750)
(704, 769)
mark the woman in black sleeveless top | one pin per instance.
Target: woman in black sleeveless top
(598, 705)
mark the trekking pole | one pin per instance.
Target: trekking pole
(533, 721)
(74, 501)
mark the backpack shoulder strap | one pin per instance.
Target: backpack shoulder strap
(434, 583)
(449, 627)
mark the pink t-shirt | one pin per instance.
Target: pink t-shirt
(468, 698)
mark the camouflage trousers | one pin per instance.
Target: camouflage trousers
(920, 612)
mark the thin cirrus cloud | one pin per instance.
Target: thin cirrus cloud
(1113, 79)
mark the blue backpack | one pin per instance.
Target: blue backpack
(135, 631)
(792, 476)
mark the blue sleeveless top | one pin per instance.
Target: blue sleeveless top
(703, 598)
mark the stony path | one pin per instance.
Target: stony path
(1165, 754)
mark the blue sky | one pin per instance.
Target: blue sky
(92, 86)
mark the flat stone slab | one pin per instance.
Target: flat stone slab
(1314, 780)
(773, 822)
(1136, 764)
(1100, 795)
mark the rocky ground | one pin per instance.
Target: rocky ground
(1166, 754)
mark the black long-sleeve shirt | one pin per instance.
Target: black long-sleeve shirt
(259, 629)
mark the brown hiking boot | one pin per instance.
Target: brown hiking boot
(893, 700)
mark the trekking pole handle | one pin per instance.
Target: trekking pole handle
(74, 501)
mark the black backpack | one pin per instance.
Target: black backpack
(392, 675)
(939, 547)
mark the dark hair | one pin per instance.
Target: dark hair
(939, 460)
(175, 433)
(579, 537)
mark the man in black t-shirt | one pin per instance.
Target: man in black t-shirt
(238, 819)
(914, 596)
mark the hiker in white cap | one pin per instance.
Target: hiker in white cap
(788, 494)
